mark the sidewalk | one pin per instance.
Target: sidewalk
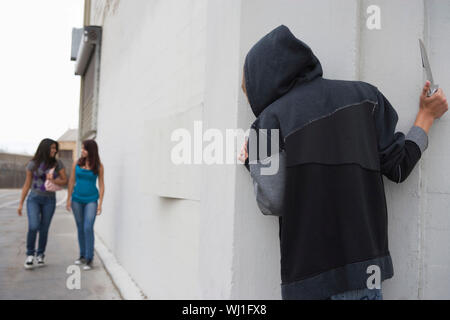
(48, 282)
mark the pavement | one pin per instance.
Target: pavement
(58, 279)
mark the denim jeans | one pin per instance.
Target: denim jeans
(360, 294)
(40, 210)
(85, 214)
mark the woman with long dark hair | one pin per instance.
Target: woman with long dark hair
(41, 201)
(85, 199)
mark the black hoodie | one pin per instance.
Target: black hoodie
(336, 139)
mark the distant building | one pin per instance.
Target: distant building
(68, 145)
(12, 169)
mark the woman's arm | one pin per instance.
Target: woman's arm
(62, 178)
(25, 189)
(70, 186)
(101, 186)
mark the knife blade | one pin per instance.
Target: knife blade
(426, 65)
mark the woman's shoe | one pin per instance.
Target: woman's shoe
(88, 265)
(29, 262)
(40, 260)
(80, 260)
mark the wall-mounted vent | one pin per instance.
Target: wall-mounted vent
(84, 43)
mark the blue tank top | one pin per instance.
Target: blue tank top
(85, 190)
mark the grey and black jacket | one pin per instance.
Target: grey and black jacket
(336, 139)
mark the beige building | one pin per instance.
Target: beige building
(68, 145)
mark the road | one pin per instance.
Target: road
(50, 281)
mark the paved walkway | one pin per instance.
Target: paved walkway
(48, 282)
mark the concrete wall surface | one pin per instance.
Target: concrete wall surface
(195, 231)
(12, 169)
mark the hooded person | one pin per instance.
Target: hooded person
(334, 139)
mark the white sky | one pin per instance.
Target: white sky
(39, 93)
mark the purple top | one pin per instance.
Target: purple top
(40, 175)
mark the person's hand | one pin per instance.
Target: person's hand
(99, 209)
(49, 177)
(434, 106)
(244, 153)
(68, 205)
(19, 210)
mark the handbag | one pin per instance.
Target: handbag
(50, 186)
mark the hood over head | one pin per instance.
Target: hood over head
(274, 65)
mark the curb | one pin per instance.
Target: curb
(126, 286)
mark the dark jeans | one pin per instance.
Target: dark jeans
(40, 210)
(360, 294)
(85, 214)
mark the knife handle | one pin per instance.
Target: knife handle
(432, 90)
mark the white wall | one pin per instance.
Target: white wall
(390, 59)
(434, 281)
(152, 70)
(217, 240)
(418, 209)
(167, 61)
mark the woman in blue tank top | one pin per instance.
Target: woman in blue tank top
(85, 199)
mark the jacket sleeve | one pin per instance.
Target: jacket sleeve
(398, 153)
(267, 170)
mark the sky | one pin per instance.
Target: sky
(39, 93)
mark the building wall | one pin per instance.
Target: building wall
(167, 62)
(218, 203)
(12, 170)
(388, 57)
(69, 146)
(152, 71)
(434, 246)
